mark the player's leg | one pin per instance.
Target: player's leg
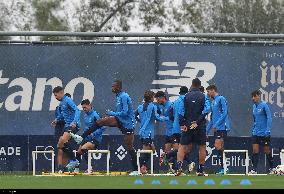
(267, 152)
(167, 149)
(255, 154)
(64, 147)
(219, 146)
(147, 145)
(91, 145)
(200, 139)
(106, 121)
(129, 141)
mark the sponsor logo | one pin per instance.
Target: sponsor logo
(120, 152)
(171, 79)
(26, 98)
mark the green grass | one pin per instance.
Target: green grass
(120, 182)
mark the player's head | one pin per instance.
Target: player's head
(183, 90)
(201, 88)
(212, 91)
(255, 95)
(149, 96)
(160, 97)
(86, 105)
(58, 92)
(116, 86)
(196, 83)
(67, 94)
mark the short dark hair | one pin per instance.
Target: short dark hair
(256, 93)
(201, 88)
(148, 95)
(183, 90)
(67, 94)
(57, 89)
(212, 87)
(196, 83)
(85, 101)
(118, 82)
(160, 94)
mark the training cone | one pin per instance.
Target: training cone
(173, 182)
(138, 182)
(245, 182)
(209, 182)
(156, 182)
(225, 182)
(191, 182)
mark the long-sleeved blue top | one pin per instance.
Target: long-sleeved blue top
(147, 114)
(165, 111)
(124, 110)
(69, 112)
(89, 119)
(219, 114)
(262, 121)
(177, 109)
(58, 114)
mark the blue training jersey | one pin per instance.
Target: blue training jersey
(177, 110)
(165, 111)
(69, 112)
(147, 113)
(124, 110)
(219, 114)
(262, 121)
(58, 114)
(90, 118)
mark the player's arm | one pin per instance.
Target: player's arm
(137, 115)
(123, 112)
(268, 117)
(209, 127)
(224, 114)
(73, 106)
(207, 106)
(157, 116)
(205, 111)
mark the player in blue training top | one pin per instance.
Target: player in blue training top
(123, 119)
(218, 122)
(92, 141)
(261, 129)
(71, 115)
(146, 114)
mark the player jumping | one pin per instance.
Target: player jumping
(262, 123)
(71, 116)
(147, 114)
(93, 140)
(123, 119)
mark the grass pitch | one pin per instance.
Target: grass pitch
(127, 182)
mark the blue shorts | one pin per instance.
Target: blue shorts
(124, 130)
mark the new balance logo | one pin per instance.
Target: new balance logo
(170, 78)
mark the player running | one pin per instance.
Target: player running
(71, 115)
(193, 125)
(59, 129)
(93, 140)
(123, 119)
(262, 123)
(146, 114)
(218, 123)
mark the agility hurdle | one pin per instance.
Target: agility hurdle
(34, 156)
(90, 152)
(139, 152)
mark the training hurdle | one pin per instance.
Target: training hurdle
(90, 152)
(139, 152)
(34, 155)
(235, 151)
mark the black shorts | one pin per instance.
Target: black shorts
(173, 139)
(124, 130)
(197, 136)
(59, 129)
(261, 140)
(92, 141)
(220, 134)
(69, 129)
(146, 141)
